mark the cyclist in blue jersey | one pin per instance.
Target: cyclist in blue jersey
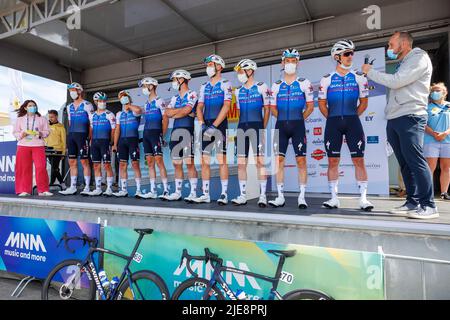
(292, 102)
(155, 128)
(253, 102)
(103, 124)
(213, 105)
(343, 97)
(78, 138)
(182, 109)
(126, 142)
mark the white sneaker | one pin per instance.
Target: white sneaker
(95, 192)
(424, 213)
(241, 200)
(174, 196)
(45, 194)
(164, 195)
(405, 209)
(223, 200)
(332, 203)
(302, 203)
(148, 195)
(108, 192)
(202, 199)
(121, 193)
(365, 205)
(278, 202)
(190, 198)
(24, 194)
(262, 202)
(138, 193)
(69, 191)
(86, 191)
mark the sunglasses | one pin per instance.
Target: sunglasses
(348, 53)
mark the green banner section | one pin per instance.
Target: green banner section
(341, 274)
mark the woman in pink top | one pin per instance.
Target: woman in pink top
(30, 130)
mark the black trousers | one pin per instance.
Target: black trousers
(55, 172)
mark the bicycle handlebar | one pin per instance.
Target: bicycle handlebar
(85, 238)
(209, 256)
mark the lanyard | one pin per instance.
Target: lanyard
(446, 107)
(32, 126)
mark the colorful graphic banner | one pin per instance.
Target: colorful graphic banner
(7, 167)
(342, 274)
(28, 246)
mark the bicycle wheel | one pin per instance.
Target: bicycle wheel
(306, 294)
(147, 285)
(69, 280)
(194, 288)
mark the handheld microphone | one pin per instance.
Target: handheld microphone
(366, 59)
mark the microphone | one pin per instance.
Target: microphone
(366, 59)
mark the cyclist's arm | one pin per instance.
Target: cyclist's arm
(363, 104)
(323, 108)
(323, 89)
(307, 88)
(165, 124)
(200, 117)
(223, 113)
(363, 84)
(273, 100)
(308, 110)
(181, 112)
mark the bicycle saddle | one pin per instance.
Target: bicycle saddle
(285, 253)
(144, 231)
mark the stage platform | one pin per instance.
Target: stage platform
(346, 228)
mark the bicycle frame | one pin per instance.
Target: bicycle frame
(218, 279)
(89, 263)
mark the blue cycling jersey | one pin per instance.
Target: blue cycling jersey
(251, 101)
(290, 100)
(342, 93)
(153, 112)
(79, 117)
(189, 99)
(213, 97)
(129, 124)
(102, 124)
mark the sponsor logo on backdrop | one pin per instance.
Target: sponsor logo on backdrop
(312, 174)
(323, 165)
(373, 139)
(317, 141)
(314, 120)
(370, 116)
(373, 165)
(318, 154)
(318, 131)
(31, 243)
(311, 166)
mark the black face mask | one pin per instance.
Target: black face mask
(51, 123)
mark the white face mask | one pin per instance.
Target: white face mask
(124, 100)
(345, 67)
(146, 91)
(175, 85)
(290, 68)
(101, 105)
(210, 71)
(242, 77)
(73, 95)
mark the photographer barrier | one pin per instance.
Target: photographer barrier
(341, 274)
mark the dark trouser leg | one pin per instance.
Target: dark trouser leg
(55, 173)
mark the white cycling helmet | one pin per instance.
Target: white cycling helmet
(149, 81)
(123, 93)
(100, 96)
(180, 73)
(342, 46)
(216, 59)
(246, 64)
(290, 53)
(75, 85)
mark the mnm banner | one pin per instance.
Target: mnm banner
(342, 274)
(28, 246)
(7, 167)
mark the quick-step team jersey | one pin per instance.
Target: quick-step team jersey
(251, 102)
(291, 99)
(129, 124)
(343, 92)
(102, 124)
(213, 97)
(153, 112)
(189, 99)
(79, 117)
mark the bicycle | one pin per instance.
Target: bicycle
(79, 280)
(213, 288)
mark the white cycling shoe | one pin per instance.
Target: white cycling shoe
(241, 200)
(223, 200)
(69, 191)
(108, 192)
(278, 202)
(148, 195)
(262, 202)
(202, 199)
(332, 203)
(365, 205)
(95, 192)
(164, 196)
(120, 194)
(86, 191)
(174, 196)
(302, 203)
(190, 198)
